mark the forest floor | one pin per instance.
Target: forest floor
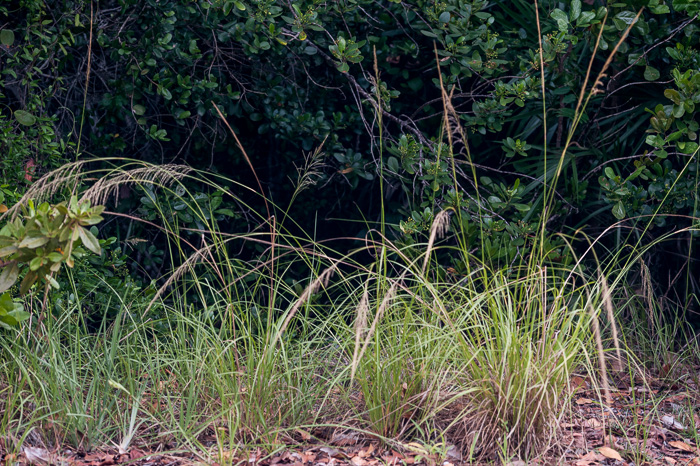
(655, 423)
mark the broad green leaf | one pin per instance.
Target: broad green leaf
(651, 73)
(7, 250)
(561, 18)
(673, 95)
(618, 211)
(678, 111)
(626, 17)
(7, 37)
(227, 212)
(35, 263)
(33, 242)
(139, 109)
(575, 9)
(585, 18)
(393, 164)
(52, 282)
(91, 220)
(688, 147)
(55, 257)
(25, 118)
(8, 276)
(11, 313)
(89, 240)
(655, 140)
(29, 279)
(6, 303)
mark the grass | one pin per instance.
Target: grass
(386, 349)
(483, 363)
(390, 349)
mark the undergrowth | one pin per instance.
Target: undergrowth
(390, 348)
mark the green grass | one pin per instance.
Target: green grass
(386, 348)
(392, 348)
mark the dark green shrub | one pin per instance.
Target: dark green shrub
(362, 75)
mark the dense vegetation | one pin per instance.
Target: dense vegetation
(422, 192)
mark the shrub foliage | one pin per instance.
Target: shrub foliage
(361, 82)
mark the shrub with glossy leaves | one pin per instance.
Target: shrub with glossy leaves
(45, 238)
(367, 77)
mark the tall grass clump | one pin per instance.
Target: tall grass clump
(239, 351)
(522, 340)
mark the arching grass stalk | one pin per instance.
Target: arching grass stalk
(270, 217)
(579, 112)
(544, 131)
(380, 127)
(87, 84)
(449, 111)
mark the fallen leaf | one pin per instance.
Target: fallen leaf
(344, 439)
(681, 446)
(36, 455)
(590, 458)
(357, 461)
(658, 434)
(392, 459)
(664, 371)
(610, 453)
(227, 456)
(584, 401)
(670, 422)
(593, 422)
(670, 460)
(578, 382)
(453, 453)
(677, 397)
(331, 452)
